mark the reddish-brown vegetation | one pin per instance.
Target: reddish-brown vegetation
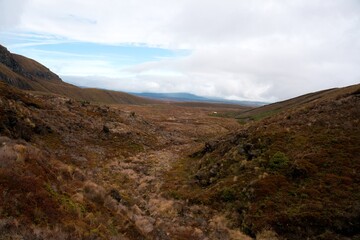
(295, 173)
(72, 169)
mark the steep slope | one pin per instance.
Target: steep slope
(27, 74)
(294, 174)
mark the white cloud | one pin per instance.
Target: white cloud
(266, 50)
(10, 13)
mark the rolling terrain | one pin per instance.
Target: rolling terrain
(93, 164)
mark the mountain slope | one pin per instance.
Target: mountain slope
(294, 174)
(27, 74)
(271, 109)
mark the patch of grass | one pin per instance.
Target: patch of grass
(66, 201)
(228, 194)
(21, 196)
(256, 116)
(278, 161)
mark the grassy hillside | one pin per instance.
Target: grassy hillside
(294, 174)
(27, 74)
(49, 145)
(271, 109)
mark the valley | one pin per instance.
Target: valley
(108, 165)
(108, 162)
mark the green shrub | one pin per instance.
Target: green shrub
(278, 161)
(228, 195)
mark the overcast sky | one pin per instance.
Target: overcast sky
(265, 50)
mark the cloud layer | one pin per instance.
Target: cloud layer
(264, 50)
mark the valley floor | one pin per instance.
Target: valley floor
(102, 169)
(155, 212)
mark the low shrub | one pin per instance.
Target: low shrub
(228, 194)
(278, 161)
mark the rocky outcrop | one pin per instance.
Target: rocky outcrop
(7, 59)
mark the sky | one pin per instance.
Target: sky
(265, 50)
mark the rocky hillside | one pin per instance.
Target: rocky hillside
(292, 175)
(27, 74)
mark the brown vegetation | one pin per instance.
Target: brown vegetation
(94, 171)
(295, 173)
(73, 169)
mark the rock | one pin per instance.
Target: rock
(106, 129)
(42, 129)
(8, 156)
(115, 195)
(209, 147)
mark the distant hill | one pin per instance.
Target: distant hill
(27, 74)
(188, 97)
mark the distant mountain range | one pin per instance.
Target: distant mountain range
(188, 97)
(27, 74)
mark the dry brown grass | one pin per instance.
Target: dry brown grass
(295, 172)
